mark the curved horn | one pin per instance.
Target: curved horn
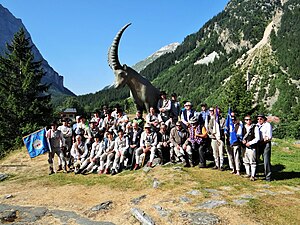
(113, 59)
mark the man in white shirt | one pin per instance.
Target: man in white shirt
(265, 129)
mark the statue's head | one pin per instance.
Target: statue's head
(114, 63)
(120, 78)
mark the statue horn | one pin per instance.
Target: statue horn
(113, 59)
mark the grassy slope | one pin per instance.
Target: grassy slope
(274, 203)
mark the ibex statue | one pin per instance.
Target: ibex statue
(145, 95)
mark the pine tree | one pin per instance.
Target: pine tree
(236, 96)
(24, 103)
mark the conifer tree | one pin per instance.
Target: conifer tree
(24, 103)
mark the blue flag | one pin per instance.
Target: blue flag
(36, 143)
(229, 128)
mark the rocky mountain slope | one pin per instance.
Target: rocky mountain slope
(247, 57)
(9, 25)
(144, 63)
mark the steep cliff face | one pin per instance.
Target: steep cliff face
(9, 25)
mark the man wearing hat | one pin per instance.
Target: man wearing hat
(178, 136)
(89, 135)
(187, 114)
(148, 143)
(67, 133)
(164, 107)
(264, 146)
(175, 107)
(57, 143)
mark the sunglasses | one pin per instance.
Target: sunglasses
(247, 119)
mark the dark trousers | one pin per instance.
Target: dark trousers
(265, 150)
(200, 149)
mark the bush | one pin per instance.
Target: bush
(287, 129)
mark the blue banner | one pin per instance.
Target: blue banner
(36, 143)
(229, 128)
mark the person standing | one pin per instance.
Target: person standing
(108, 153)
(67, 133)
(217, 144)
(175, 107)
(121, 147)
(265, 129)
(57, 143)
(134, 144)
(250, 140)
(164, 107)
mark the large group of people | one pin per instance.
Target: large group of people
(111, 142)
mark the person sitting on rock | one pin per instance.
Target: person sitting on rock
(148, 144)
(163, 145)
(178, 136)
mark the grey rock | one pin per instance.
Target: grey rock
(103, 206)
(146, 169)
(194, 192)
(241, 201)
(156, 162)
(30, 215)
(211, 204)
(8, 196)
(246, 196)
(177, 168)
(211, 190)
(161, 211)
(168, 164)
(3, 176)
(268, 192)
(185, 199)
(8, 216)
(141, 216)
(138, 199)
(156, 183)
(200, 218)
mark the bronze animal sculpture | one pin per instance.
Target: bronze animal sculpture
(145, 95)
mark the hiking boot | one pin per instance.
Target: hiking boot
(113, 172)
(202, 166)
(51, 171)
(59, 168)
(252, 178)
(246, 176)
(221, 168)
(215, 168)
(106, 171)
(101, 172)
(149, 164)
(186, 165)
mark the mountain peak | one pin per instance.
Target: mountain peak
(166, 49)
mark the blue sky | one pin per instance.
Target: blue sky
(74, 36)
